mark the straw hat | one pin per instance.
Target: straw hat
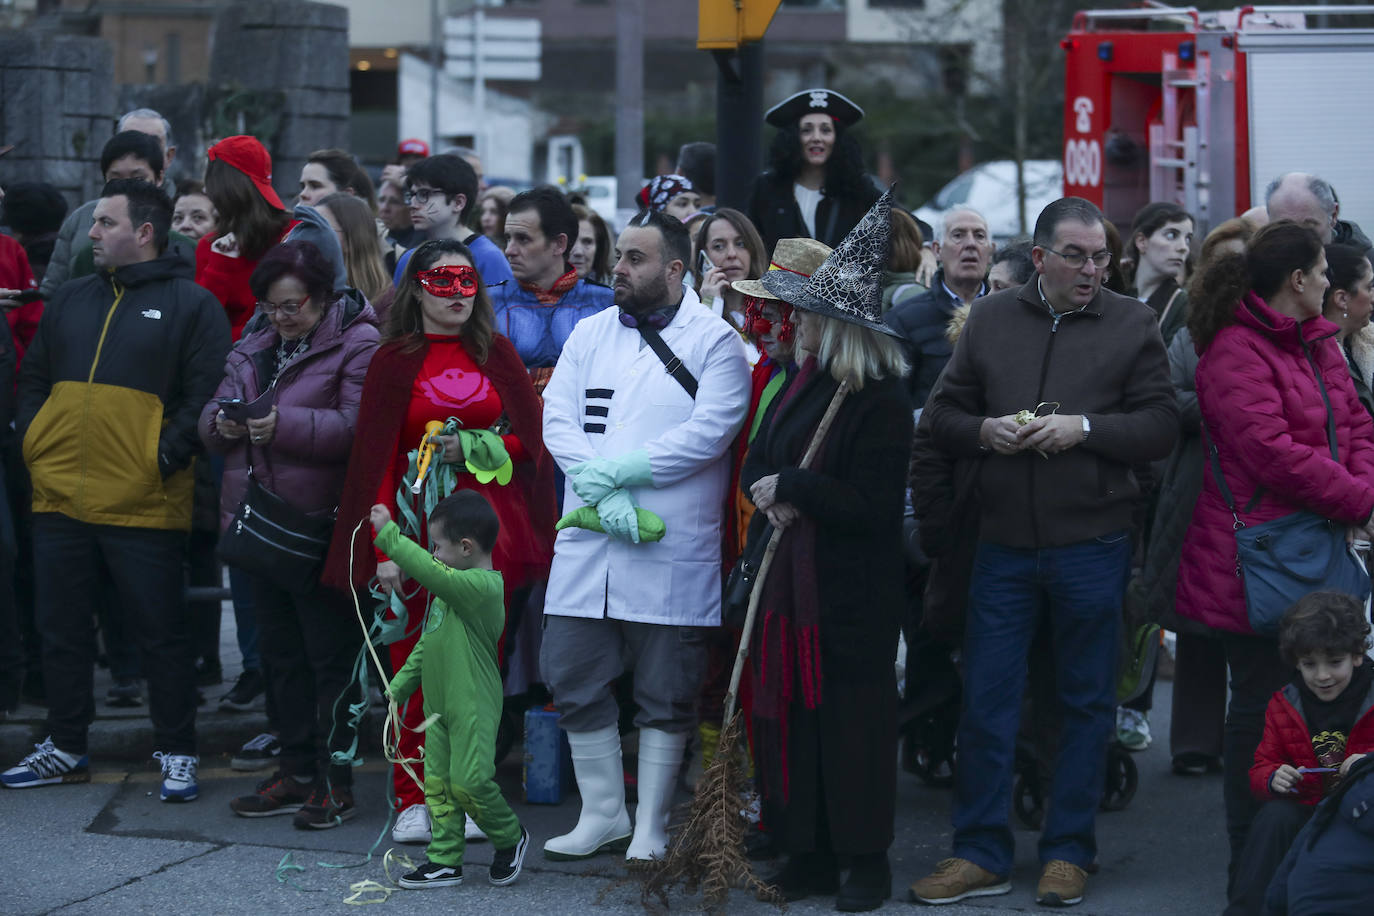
(794, 261)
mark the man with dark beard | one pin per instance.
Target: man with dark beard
(640, 413)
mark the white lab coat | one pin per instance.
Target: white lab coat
(606, 377)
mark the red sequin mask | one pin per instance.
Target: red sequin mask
(756, 324)
(450, 281)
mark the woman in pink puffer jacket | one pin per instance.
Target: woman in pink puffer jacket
(1262, 341)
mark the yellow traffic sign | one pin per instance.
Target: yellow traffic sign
(726, 24)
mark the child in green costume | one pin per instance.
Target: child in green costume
(455, 663)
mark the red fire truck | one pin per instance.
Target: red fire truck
(1204, 109)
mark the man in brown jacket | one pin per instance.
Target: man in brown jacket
(1055, 389)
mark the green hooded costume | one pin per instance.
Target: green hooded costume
(455, 663)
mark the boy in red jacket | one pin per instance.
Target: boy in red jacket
(1315, 729)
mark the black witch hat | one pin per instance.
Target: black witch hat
(848, 286)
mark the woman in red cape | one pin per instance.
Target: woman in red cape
(441, 358)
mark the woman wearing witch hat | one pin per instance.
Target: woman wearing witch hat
(815, 186)
(821, 672)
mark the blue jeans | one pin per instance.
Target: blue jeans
(1081, 587)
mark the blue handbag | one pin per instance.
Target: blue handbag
(1283, 560)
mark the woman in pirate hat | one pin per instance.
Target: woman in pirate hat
(815, 186)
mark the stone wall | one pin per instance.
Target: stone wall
(279, 71)
(57, 106)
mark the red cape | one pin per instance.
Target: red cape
(381, 414)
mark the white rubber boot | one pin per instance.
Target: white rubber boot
(604, 824)
(660, 756)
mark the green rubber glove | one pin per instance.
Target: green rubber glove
(651, 527)
(593, 480)
(617, 513)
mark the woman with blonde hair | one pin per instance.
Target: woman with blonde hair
(824, 697)
(362, 252)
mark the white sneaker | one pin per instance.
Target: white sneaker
(471, 832)
(178, 777)
(1132, 729)
(412, 826)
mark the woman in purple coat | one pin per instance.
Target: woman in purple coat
(309, 347)
(1265, 355)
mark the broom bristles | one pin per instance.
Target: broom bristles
(706, 851)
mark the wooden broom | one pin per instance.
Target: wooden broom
(706, 852)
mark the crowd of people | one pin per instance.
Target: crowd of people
(520, 436)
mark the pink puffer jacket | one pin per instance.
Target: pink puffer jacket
(1263, 408)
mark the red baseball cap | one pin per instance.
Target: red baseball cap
(412, 147)
(252, 159)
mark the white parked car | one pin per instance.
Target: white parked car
(990, 188)
(600, 193)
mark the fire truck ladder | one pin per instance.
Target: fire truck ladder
(1179, 158)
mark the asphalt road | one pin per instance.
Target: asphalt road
(112, 848)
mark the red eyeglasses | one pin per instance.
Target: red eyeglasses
(450, 281)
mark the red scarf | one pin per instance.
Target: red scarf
(551, 295)
(381, 414)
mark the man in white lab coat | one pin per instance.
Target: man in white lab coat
(629, 433)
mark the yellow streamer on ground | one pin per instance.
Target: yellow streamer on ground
(368, 891)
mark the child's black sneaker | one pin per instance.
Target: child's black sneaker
(432, 874)
(277, 794)
(506, 863)
(325, 809)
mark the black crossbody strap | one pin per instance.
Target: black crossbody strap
(669, 359)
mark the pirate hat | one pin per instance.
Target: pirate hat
(814, 101)
(793, 263)
(849, 285)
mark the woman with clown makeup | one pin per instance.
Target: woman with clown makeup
(441, 360)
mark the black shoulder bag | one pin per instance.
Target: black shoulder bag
(273, 539)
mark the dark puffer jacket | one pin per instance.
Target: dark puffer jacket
(1264, 412)
(922, 318)
(317, 409)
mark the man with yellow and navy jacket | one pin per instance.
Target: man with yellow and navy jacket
(109, 395)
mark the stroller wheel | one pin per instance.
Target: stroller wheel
(1027, 801)
(1122, 779)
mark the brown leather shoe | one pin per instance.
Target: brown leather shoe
(1061, 884)
(957, 879)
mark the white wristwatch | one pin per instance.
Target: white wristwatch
(1087, 428)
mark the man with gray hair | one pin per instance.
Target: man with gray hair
(78, 222)
(921, 315)
(1310, 201)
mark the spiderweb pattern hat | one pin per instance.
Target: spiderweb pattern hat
(849, 285)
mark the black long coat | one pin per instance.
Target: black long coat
(843, 755)
(774, 211)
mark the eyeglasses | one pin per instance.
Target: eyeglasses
(422, 196)
(1076, 260)
(449, 281)
(287, 308)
